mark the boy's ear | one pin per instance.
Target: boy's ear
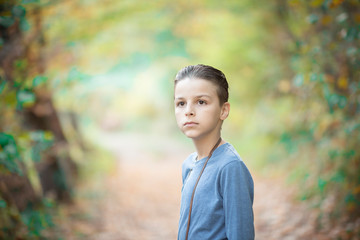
(225, 110)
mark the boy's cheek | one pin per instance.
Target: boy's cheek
(178, 121)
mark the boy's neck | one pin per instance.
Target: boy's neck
(204, 146)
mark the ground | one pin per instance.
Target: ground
(140, 197)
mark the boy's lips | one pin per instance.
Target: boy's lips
(190, 123)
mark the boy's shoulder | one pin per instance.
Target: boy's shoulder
(229, 160)
(190, 159)
(226, 154)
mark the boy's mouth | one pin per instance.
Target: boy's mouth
(190, 124)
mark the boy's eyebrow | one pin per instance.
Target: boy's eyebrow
(198, 96)
(203, 95)
(179, 98)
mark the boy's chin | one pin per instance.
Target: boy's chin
(193, 136)
(190, 135)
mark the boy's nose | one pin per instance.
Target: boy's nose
(189, 111)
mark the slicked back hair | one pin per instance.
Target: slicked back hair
(201, 71)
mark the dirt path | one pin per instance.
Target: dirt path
(142, 196)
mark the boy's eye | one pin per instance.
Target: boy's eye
(180, 104)
(201, 102)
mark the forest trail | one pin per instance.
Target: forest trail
(141, 197)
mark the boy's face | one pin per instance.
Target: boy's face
(197, 109)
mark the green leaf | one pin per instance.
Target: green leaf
(352, 128)
(29, 1)
(34, 220)
(333, 153)
(25, 98)
(9, 153)
(338, 177)
(10, 149)
(36, 154)
(2, 204)
(313, 77)
(6, 21)
(18, 11)
(350, 198)
(335, 99)
(326, 91)
(75, 75)
(287, 141)
(21, 64)
(24, 25)
(43, 140)
(342, 102)
(316, 50)
(6, 139)
(298, 80)
(37, 136)
(351, 51)
(2, 84)
(349, 154)
(321, 184)
(38, 80)
(48, 203)
(312, 18)
(351, 34)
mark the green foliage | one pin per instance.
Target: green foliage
(293, 68)
(2, 204)
(21, 148)
(326, 67)
(25, 98)
(9, 154)
(39, 80)
(30, 223)
(41, 141)
(36, 220)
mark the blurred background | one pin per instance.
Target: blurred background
(89, 147)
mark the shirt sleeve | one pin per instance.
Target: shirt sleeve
(237, 190)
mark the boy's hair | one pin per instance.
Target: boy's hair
(209, 73)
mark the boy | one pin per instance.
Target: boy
(217, 193)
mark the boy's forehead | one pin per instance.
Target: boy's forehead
(194, 87)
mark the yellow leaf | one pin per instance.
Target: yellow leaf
(48, 135)
(332, 46)
(326, 20)
(356, 190)
(342, 82)
(336, 3)
(357, 17)
(316, 3)
(294, 3)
